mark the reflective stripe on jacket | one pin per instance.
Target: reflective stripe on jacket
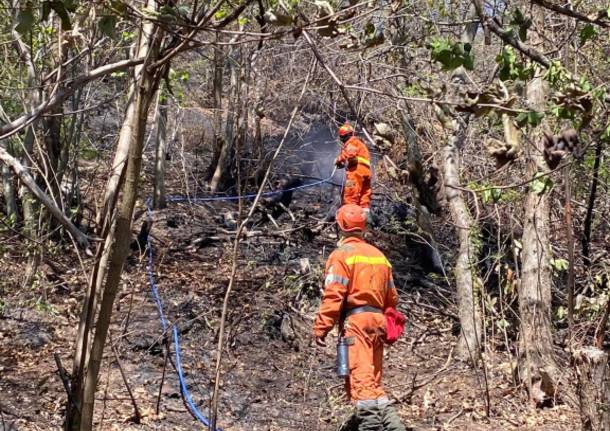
(355, 150)
(358, 273)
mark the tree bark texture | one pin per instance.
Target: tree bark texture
(466, 273)
(28, 198)
(593, 388)
(588, 223)
(8, 190)
(222, 173)
(217, 99)
(117, 239)
(537, 364)
(160, 160)
(466, 279)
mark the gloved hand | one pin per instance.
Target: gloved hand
(339, 163)
(320, 341)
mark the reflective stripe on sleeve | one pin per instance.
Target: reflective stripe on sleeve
(334, 278)
(371, 260)
(363, 161)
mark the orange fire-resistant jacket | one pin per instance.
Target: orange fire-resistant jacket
(357, 274)
(354, 152)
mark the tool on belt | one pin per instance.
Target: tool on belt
(343, 344)
(395, 324)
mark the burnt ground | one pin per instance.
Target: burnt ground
(272, 376)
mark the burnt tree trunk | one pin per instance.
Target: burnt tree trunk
(593, 388)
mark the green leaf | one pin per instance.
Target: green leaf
(487, 196)
(451, 55)
(492, 195)
(541, 184)
(531, 118)
(25, 20)
(220, 14)
(502, 324)
(510, 69)
(556, 74)
(107, 24)
(559, 264)
(588, 32)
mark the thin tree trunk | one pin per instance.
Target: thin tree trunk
(160, 160)
(537, 364)
(8, 189)
(222, 173)
(117, 239)
(570, 241)
(28, 199)
(28, 203)
(466, 273)
(118, 164)
(588, 223)
(217, 140)
(468, 347)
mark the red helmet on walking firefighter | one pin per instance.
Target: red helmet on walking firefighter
(351, 218)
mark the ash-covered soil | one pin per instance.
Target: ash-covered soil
(273, 378)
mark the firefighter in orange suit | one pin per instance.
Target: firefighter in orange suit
(355, 158)
(357, 288)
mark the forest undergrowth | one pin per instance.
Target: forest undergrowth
(274, 378)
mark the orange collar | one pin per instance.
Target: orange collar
(351, 239)
(350, 139)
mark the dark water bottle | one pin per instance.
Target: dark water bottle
(342, 357)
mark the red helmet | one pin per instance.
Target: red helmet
(346, 130)
(350, 218)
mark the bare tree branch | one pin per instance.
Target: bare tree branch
(30, 183)
(599, 19)
(25, 120)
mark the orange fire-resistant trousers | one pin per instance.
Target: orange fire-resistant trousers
(365, 356)
(357, 189)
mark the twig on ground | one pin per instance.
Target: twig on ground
(63, 375)
(137, 416)
(165, 356)
(454, 417)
